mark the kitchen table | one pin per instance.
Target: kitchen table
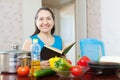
(87, 76)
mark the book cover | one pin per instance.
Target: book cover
(48, 51)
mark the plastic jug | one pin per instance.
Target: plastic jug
(92, 48)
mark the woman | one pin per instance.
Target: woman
(44, 32)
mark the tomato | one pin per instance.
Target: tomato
(83, 61)
(69, 61)
(76, 70)
(23, 70)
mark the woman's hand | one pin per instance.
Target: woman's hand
(45, 64)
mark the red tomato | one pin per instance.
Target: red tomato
(23, 70)
(76, 70)
(83, 61)
(69, 61)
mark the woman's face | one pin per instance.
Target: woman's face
(45, 21)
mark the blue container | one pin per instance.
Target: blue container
(92, 48)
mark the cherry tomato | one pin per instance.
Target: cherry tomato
(69, 61)
(23, 70)
(76, 70)
(83, 61)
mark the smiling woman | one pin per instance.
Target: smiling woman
(44, 33)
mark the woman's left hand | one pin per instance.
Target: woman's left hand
(45, 64)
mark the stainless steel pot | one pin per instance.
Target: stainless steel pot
(9, 59)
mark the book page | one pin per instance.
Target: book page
(54, 49)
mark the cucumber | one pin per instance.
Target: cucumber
(44, 72)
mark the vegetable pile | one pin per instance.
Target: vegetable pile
(59, 65)
(64, 67)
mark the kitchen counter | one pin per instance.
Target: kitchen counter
(5, 76)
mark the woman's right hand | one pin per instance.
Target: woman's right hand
(45, 64)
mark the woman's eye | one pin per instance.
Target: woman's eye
(40, 19)
(49, 18)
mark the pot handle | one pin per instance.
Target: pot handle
(15, 47)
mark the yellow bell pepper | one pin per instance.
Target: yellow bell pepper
(59, 64)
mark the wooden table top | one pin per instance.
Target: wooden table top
(86, 76)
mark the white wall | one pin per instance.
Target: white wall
(29, 9)
(80, 24)
(67, 20)
(110, 17)
(10, 23)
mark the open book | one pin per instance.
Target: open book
(48, 51)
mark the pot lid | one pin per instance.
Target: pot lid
(14, 50)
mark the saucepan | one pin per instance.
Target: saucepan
(9, 59)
